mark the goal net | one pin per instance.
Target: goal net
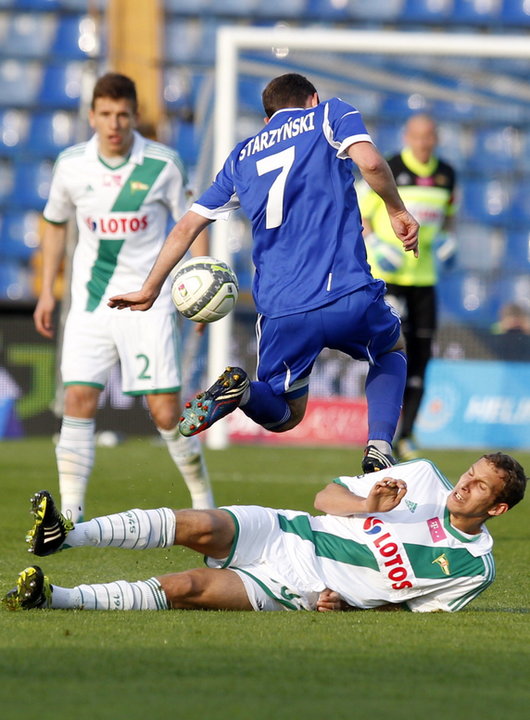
(476, 87)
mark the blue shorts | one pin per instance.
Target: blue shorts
(362, 325)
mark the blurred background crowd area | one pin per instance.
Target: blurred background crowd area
(51, 51)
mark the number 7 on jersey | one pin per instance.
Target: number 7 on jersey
(283, 160)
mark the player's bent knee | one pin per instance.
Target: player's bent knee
(164, 411)
(289, 425)
(184, 590)
(297, 407)
(207, 531)
(81, 401)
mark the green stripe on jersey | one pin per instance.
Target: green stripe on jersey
(330, 546)
(459, 603)
(438, 562)
(137, 185)
(102, 271)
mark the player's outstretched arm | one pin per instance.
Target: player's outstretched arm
(384, 495)
(175, 247)
(376, 171)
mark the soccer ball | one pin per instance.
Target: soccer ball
(204, 289)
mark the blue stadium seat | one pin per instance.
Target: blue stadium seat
(427, 11)
(487, 201)
(37, 4)
(187, 7)
(400, 106)
(468, 298)
(15, 281)
(514, 288)
(249, 94)
(29, 35)
(524, 155)
(185, 140)
(476, 12)
(495, 149)
(51, 132)
(388, 138)
(7, 180)
(66, 43)
(517, 251)
(19, 83)
(515, 12)
(327, 10)
(83, 5)
(31, 184)
(184, 41)
(19, 234)
(379, 10)
(479, 246)
(177, 88)
(239, 8)
(14, 126)
(280, 9)
(520, 214)
(452, 144)
(61, 85)
(463, 109)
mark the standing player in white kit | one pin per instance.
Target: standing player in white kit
(123, 188)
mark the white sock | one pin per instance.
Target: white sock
(382, 445)
(119, 595)
(187, 456)
(132, 530)
(75, 459)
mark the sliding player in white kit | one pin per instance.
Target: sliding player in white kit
(400, 537)
(123, 189)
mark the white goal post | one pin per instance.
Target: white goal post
(233, 39)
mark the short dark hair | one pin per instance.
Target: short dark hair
(285, 91)
(115, 86)
(513, 475)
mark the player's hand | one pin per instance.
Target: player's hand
(140, 300)
(406, 228)
(43, 316)
(329, 600)
(385, 495)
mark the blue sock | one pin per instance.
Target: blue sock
(266, 408)
(385, 385)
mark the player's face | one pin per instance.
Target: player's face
(114, 122)
(421, 138)
(475, 495)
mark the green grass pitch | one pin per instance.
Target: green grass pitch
(239, 666)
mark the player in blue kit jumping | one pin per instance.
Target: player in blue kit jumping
(312, 287)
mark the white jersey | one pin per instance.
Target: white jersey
(122, 215)
(411, 555)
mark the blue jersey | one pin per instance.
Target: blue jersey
(294, 181)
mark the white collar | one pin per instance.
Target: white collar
(137, 151)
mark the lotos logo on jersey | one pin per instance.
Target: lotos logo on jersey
(393, 563)
(117, 224)
(372, 525)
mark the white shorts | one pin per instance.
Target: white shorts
(146, 344)
(260, 558)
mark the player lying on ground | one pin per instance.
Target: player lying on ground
(401, 537)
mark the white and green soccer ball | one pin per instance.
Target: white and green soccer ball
(204, 289)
